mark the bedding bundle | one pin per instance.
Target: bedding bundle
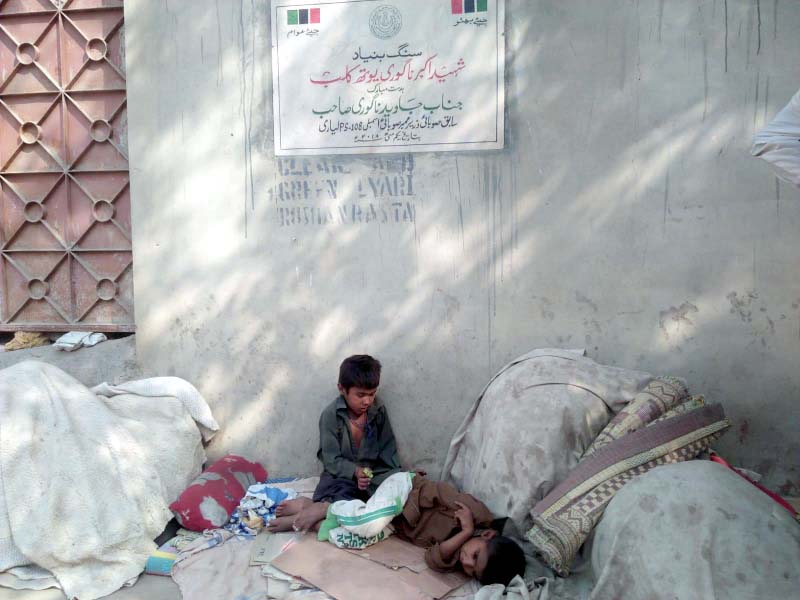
(103, 465)
(661, 425)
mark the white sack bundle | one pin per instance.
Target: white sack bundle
(86, 480)
(695, 530)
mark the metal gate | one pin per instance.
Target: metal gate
(65, 228)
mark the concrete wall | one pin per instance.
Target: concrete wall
(625, 215)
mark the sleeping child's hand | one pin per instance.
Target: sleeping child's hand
(465, 519)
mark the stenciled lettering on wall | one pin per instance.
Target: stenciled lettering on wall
(377, 76)
(321, 191)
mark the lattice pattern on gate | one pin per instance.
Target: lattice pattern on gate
(65, 228)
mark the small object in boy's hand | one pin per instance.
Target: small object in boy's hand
(367, 472)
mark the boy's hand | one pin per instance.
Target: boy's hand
(465, 518)
(363, 477)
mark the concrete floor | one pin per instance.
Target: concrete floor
(149, 587)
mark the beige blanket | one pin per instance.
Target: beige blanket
(86, 479)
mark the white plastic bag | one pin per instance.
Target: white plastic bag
(779, 142)
(357, 524)
(343, 538)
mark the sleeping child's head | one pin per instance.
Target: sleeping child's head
(492, 558)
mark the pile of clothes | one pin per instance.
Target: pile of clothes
(257, 508)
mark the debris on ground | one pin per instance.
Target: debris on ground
(78, 339)
(27, 339)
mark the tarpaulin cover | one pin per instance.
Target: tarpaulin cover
(531, 425)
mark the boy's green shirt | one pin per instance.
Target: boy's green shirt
(378, 449)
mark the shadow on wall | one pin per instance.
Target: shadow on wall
(625, 216)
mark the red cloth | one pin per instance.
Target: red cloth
(718, 459)
(210, 500)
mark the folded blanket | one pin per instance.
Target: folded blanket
(658, 397)
(566, 516)
(778, 142)
(101, 472)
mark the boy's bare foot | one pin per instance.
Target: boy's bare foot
(279, 524)
(309, 518)
(292, 507)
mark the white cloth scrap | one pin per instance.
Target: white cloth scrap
(779, 142)
(516, 590)
(78, 339)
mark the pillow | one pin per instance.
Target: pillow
(210, 500)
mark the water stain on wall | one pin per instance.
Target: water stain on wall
(741, 305)
(673, 319)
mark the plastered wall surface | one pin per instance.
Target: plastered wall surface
(625, 216)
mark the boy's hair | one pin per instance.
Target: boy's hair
(505, 560)
(361, 371)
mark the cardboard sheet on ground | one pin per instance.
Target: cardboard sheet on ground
(395, 553)
(267, 546)
(386, 570)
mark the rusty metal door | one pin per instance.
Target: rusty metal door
(65, 227)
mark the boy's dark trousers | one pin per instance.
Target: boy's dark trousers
(333, 489)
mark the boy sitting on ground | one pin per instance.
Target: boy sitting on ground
(358, 452)
(356, 446)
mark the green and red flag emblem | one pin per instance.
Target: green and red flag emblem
(302, 16)
(461, 7)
